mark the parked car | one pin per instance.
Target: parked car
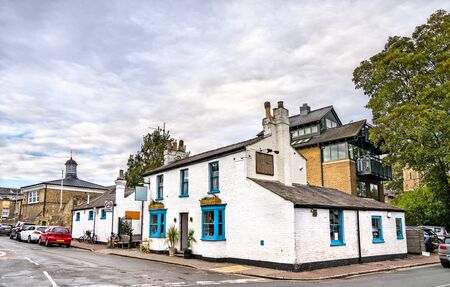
(439, 230)
(56, 235)
(15, 232)
(32, 233)
(431, 239)
(444, 252)
(5, 229)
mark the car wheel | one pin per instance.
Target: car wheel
(29, 239)
(18, 237)
(46, 243)
(68, 245)
(445, 264)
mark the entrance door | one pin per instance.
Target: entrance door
(184, 229)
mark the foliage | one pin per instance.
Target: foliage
(150, 156)
(408, 86)
(396, 184)
(421, 208)
(191, 239)
(171, 236)
(125, 227)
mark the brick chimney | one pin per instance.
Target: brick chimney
(305, 109)
(174, 151)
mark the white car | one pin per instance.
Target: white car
(32, 233)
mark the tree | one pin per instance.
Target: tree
(408, 88)
(149, 157)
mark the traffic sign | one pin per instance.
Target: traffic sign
(109, 205)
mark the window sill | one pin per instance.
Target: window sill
(90, 219)
(213, 239)
(159, 199)
(213, 191)
(102, 218)
(337, 244)
(400, 238)
(377, 241)
(158, 236)
(183, 195)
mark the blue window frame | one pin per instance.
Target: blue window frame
(184, 183)
(336, 227)
(158, 223)
(91, 215)
(77, 216)
(399, 228)
(377, 230)
(213, 222)
(160, 187)
(103, 214)
(214, 177)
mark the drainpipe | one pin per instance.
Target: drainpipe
(321, 166)
(359, 237)
(45, 200)
(95, 216)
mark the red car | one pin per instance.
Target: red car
(56, 235)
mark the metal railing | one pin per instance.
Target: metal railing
(373, 166)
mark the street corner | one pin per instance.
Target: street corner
(6, 254)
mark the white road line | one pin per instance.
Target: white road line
(50, 279)
(35, 263)
(446, 285)
(2, 253)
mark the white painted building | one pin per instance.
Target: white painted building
(93, 216)
(249, 203)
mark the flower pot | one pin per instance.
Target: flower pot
(187, 254)
(172, 251)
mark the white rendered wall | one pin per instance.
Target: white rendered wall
(252, 213)
(102, 226)
(313, 236)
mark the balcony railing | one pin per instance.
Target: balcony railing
(373, 167)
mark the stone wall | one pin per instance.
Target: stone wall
(313, 162)
(11, 205)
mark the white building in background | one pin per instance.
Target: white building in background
(94, 217)
(249, 203)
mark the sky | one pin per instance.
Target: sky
(95, 76)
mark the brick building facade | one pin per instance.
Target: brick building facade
(10, 203)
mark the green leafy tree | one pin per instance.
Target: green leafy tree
(150, 156)
(420, 207)
(409, 95)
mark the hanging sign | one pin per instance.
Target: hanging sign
(140, 193)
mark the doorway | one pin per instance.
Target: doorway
(184, 230)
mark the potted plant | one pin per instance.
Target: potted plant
(210, 200)
(154, 205)
(171, 239)
(190, 241)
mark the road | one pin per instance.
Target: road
(23, 264)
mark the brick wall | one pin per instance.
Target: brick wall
(411, 179)
(341, 175)
(313, 161)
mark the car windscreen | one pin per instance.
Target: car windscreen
(42, 229)
(61, 230)
(447, 240)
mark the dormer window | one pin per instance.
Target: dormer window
(304, 131)
(331, 124)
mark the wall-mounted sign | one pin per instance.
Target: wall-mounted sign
(135, 215)
(264, 163)
(140, 193)
(109, 204)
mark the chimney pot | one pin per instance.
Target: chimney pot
(121, 175)
(181, 145)
(280, 104)
(267, 109)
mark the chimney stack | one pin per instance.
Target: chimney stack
(267, 109)
(280, 104)
(181, 146)
(305, 109)
(121, 175)
(174, 151)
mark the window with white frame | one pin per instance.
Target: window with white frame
(5, 212)
(33, 196)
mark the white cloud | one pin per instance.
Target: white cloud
(95, 76)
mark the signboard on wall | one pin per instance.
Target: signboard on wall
(140, 193)
(135, 215)
(264, 163)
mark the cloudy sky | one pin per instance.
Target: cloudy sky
(94, 76)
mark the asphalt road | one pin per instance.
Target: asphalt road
(23, 264)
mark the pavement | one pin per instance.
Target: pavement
(247, 270)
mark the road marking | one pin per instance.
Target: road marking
(443, 285)
(35, 263)
(50, 279)
(230, 269)
(2, 253)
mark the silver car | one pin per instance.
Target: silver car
(444, 252)
(440, 231)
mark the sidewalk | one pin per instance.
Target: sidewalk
(319, 274)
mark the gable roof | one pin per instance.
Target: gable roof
(205, 156)
(321, 197)
(311, 117)
(99, 201)
(72, 182)
(333, 134)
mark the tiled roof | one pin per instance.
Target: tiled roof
(9, 191)
(100, 200)
(321, 197)
(311, 117)
(205, 155)
(333, 134)
(72, 182)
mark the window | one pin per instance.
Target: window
(77, 216)
(336, 227)
(399, 228)
(331, 124)
(374, 191)
(377, 230)
(214, 177)
(33, 196)
(91, 215)
(158, 223)
(103, 214)
(160, 187)
(305, 131)
(334, 152)
(184, 179)
(361, 190)
(5, 212)
(213, 222)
